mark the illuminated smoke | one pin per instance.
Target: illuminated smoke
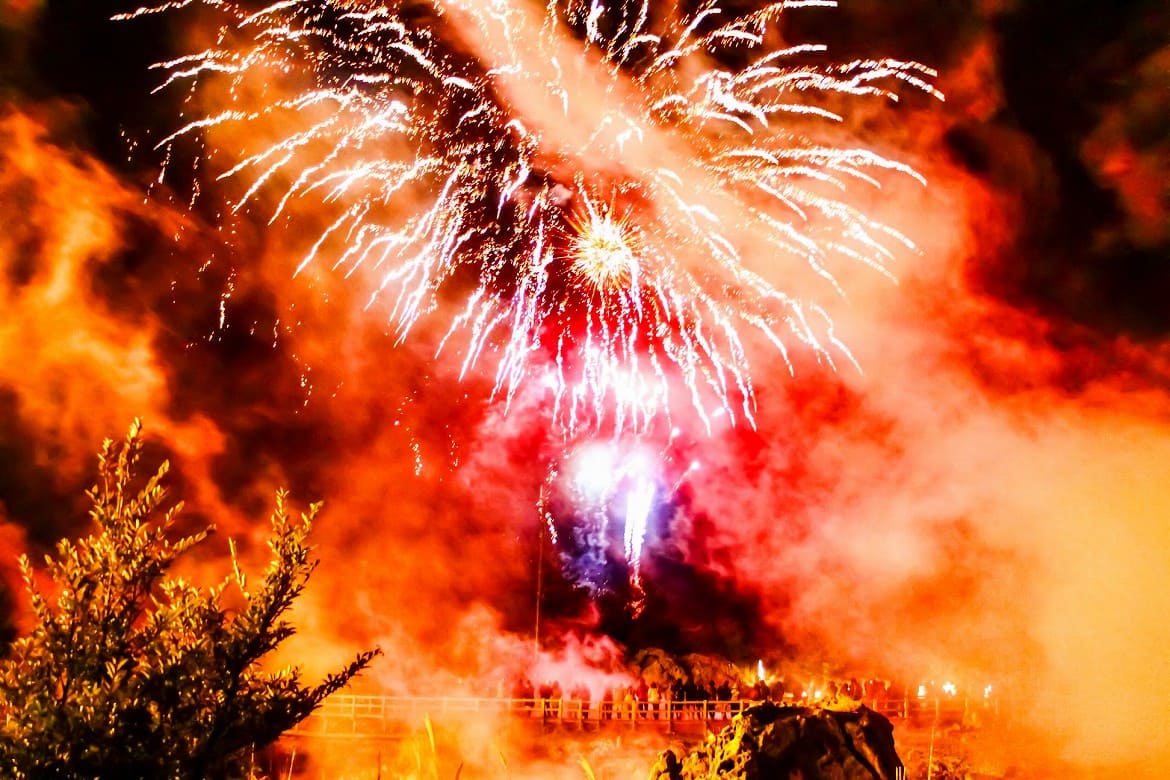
(587, 182)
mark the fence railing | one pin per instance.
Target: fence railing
(370, 715)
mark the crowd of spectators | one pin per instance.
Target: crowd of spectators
(679, 700)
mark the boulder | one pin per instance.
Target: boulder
(773, 742)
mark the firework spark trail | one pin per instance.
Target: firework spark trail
(639, 502)
(593, 168)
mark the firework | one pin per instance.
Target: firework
(578, 178)
(612, 482)
(611, 499)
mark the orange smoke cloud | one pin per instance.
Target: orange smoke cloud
(74, 365)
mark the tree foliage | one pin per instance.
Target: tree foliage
(132, 672)
(655, 665)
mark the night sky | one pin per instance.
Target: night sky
(987, 497)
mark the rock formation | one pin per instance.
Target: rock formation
(773, 742)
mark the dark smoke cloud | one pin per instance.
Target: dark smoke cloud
(985, 499)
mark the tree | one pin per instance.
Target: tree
(656, 666)
(131, 672)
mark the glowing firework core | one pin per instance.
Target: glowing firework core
(602, 254)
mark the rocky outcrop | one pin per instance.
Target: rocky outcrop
(771, 742)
